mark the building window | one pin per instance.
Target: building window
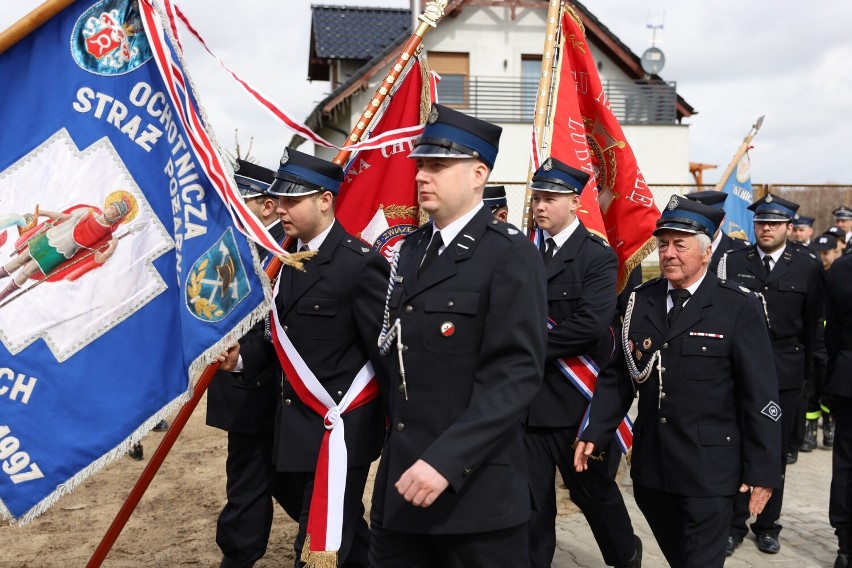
(454, 71)
(530, 76)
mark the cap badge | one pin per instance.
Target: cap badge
(448, 329)
(672, 203)
(548, 165)
(237, 166)
(433, 116)
(285, 157)
(769, 198)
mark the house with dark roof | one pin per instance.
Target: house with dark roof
(488, 54)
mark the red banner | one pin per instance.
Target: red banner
(616, 203)
(378, 198)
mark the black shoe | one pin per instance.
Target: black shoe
(732, 545)
(768, 543)
(809, 441)
(827, 431)
(161, 426)
(636, 560)
(792, 457)
(136, 452)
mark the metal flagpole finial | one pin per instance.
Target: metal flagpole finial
(759, 123)
(433, 12)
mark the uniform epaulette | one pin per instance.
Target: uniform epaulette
(743, 250)
(357, 245)
(506, 229)
(732, 285)
(648, 282)
(599, 239)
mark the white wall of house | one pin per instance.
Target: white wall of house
(496, 45)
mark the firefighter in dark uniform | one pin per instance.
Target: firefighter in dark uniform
(582, 271)
(843, 220)
(803, 231)
(790, 285)
(696, 349)
(838, 342)
(244, 406)
(494, 197)
(467, 310)
(330, 313)
(722, 242)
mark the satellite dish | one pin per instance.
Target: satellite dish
(653, 60)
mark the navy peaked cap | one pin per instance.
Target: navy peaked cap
(689, 216)
(773, 208)
(803, 221)
(303, 174)
(494, 196)
(709, 197)
(559, 177)
(252, 180)
(453, 134)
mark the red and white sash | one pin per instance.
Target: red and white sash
(325, 518)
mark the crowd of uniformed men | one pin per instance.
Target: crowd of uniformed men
(483, 338)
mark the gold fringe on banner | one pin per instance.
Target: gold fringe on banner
(634, 261)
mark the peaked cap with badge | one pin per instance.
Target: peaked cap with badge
(771, 208)
(842, 212)
(803, 221)
(252, 180)
(559, 177)
(453, 134)
(302, 174)
(689, 216)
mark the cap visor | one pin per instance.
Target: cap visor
(772, 218)
(430, 151)
(551, 187)
(282, 187)
(680, 227)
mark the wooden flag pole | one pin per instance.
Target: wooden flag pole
(543, 100)
(428, 20)
(739, 153)
(31, 22)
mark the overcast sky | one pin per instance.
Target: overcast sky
(732, 61)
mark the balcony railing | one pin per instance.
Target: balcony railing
(502, 100)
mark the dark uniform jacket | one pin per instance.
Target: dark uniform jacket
(793, 293)
(715, 425)
(332, 314)
(838, 327)
(581, 298)
(726, 243)
(468, 388)
(242, 403)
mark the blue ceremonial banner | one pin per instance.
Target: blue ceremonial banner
(738, 219)
(122, 273)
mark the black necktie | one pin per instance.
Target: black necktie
(431, 252)
(679, 298)
(766, 266)
(547, 254)
(304, 248)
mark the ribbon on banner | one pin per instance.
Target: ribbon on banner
(325, 518)
(582, 372)
(400, 135)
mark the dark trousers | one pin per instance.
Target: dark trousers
(506, 548)
(355, 540)
(797, 434)
(767, 521)
(593, 491)
(840, 502)
(242, 531)
(691, 531)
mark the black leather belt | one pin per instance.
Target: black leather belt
(783, 342)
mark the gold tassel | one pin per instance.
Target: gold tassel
(634, 261)
(324, 559)
(629, 456)
(306, 549)
(295, 259)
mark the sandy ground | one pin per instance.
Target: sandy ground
(174, 524)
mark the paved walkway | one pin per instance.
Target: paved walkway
(807, 540)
